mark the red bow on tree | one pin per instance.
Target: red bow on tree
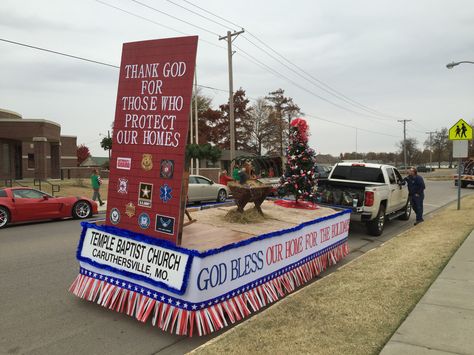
(302, 127)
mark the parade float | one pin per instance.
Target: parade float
(146, 261)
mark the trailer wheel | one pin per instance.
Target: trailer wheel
(375, 226)
(463, 184)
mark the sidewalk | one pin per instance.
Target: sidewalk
(102, 209)
(443, 321)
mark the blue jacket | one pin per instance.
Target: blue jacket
(416, 185)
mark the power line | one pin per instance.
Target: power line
(84, 59)
(272, 70)
(174, 17)
(349, 126)
(318, 86)
(323, 86)
(316, 82)
(276, 73)
(156, 23)
(197, 13)
(211, 13)
(58, 53)
(202, 86)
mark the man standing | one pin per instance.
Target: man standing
(95, 182)
(416, 188)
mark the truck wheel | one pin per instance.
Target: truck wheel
(375, 226)
(406, 212)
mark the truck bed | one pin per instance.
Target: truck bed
(342, 193)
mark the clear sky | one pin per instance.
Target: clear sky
(385, 59)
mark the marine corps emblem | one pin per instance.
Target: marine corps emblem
(147, 162)
(130, 209)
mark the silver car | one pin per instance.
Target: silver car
(203, 189)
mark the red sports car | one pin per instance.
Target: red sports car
(22, 204)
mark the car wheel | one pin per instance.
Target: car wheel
(222, 196)
(4, 216)
(375, 227)
(406, 212)
(81, 210)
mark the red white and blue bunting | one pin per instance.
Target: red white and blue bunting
(186, 318)
(189, 292)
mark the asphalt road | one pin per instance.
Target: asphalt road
(39, 316)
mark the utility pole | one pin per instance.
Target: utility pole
(404, 141)
(431, 148)
(356, 143)
(196, 131)
(231, 90)
(108, 137)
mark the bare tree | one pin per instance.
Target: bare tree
(261, 127)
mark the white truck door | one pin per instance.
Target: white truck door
(396, 200)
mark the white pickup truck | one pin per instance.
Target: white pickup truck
(375, 192)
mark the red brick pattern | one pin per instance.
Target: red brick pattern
(173, 50)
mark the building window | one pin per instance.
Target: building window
(6, 158)
(31, 161)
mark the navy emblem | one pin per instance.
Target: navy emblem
(165, 193)
(167, 169)
(145, 194)
(164, 224)
(114, 215)
(144, 220)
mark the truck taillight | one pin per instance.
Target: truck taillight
(369, 198)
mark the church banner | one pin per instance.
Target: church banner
(149, 136)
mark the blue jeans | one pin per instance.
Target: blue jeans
(96, 196)
(417, 205)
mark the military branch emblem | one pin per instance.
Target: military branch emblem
(145, 194)
(130, 209)
(147, 162)
(114, 216)
(165, 193)
(144, 220)
(164, 224)
(122, 186)
(166, 169)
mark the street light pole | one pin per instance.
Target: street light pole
(450, 66)
(453, 64)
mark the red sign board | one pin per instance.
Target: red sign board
(150, 134)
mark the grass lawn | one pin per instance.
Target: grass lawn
(72, 187)
(356, 309)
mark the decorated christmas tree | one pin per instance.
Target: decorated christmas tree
(298, 179)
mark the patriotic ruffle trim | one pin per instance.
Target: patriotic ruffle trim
(203, 318)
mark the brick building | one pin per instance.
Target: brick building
(33, 148)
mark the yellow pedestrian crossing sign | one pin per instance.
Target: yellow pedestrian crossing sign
(460, 131)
